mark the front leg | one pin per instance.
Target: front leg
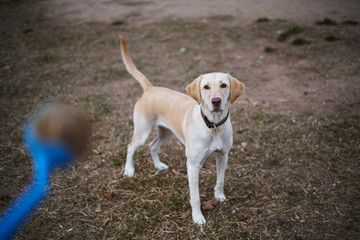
(221, 162)
(193, 176)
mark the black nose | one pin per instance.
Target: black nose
(216, 102)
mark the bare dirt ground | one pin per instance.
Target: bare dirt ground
(294, 169)
(242, 12)
(227, 13)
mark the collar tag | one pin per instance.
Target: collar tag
(214, 129)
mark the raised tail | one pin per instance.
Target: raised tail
(131, 68)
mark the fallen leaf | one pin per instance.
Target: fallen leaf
(213, 201)
(173, 171)
(207, 206)
(107, 196)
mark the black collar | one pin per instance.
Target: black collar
(212, 124)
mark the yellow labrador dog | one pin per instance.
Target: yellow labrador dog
(203, 125)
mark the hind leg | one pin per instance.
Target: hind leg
(163, 135)
(142, 130)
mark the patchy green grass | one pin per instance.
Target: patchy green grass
(28, 30)
(98, 105)
(331, 38)
(300, 42)
(118, 22)
(326, 22)
(350, 22)
(232, 33)
(289, 32)
(221, 17)
(264, 19)
(45, 58)
(133, 3)
(269, 49)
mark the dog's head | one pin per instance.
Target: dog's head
(215, 90)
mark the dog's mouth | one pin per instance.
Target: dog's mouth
(217, 110)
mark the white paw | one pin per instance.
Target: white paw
(161, 166)
(129, 171)
(199, 219)
(220, 197)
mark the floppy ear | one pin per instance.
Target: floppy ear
(236, 88)
(193, 89)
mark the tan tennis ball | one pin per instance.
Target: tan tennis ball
(65, 124)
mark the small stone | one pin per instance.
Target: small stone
(182, 50)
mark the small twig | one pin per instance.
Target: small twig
(303, 189)
(339, 211)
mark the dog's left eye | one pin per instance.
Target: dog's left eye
(223, 85)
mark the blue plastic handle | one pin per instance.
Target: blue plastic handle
(46, 156)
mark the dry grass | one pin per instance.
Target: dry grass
(291, 175)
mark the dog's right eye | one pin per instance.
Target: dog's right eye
(223, 85)
(206, 87)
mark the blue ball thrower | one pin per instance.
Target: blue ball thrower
(46, 155)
